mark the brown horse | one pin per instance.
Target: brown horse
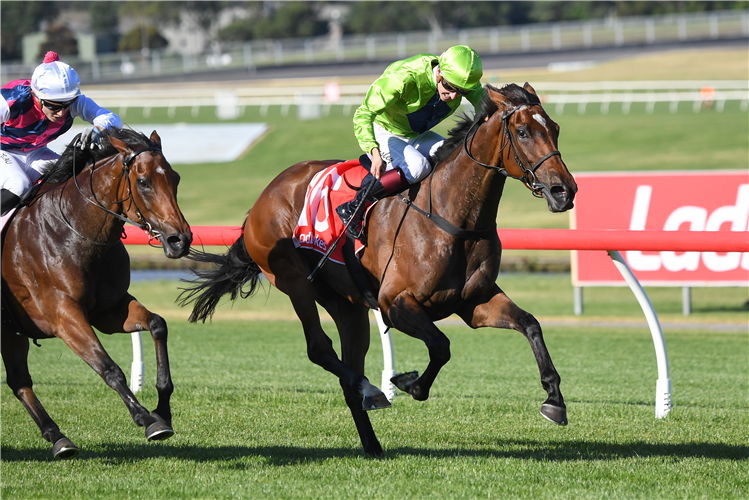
(64, 269)
(423, 268)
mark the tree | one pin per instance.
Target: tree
(276, 20)
(61, 39)
(379, 17)
(291, 19)
(18, 19)
(384, 17)
(204, 14)
(105, 25)
(134, 39)
(572, 11)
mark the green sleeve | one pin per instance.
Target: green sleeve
(385, 91)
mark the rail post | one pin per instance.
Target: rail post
(663, 384)
(388, 369)
(137, 368)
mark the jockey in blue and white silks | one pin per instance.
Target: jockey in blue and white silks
(34, 113)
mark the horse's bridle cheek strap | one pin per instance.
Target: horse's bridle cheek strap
(126, 163)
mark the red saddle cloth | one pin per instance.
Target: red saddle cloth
(319, 224)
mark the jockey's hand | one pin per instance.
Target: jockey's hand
(378, 166)
(90, 138)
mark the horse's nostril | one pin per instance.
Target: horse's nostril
(558, 192)
(175, 241)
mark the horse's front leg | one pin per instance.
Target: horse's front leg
(130, 316)
(498, 311)
(75, 330)
(407, 315)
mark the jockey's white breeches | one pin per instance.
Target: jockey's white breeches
(19, 169)
(410, 155)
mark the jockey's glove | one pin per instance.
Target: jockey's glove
(90, 138)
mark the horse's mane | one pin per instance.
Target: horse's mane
(516, 95)
(63, 169)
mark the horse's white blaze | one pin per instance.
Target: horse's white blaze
(160, 170)
(540, 119)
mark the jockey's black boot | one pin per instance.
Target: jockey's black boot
(390, 183)
(8, 201)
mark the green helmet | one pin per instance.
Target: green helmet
(461, 66)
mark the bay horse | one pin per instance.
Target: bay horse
(421, 272)
(65, 269)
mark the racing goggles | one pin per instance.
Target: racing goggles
(57, 106)
(451, 88)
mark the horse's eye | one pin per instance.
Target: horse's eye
(143, 183)
(522, 133)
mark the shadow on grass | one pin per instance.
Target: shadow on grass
(290, 455)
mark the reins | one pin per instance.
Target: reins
(125, 172)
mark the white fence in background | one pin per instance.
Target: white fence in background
(540, 37)
(311, 101)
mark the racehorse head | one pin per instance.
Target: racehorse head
(529, 148)
(150, 192)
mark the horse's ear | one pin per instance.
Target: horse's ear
(155, 138)
(530, 89)
(123, 148)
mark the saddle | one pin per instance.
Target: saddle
(319, 225)
(353, 263)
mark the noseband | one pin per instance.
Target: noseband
(126, 163)
(529, 171)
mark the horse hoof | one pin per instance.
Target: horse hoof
(556, 414)
(64, 449)
(375, 451)
(376, 402)
(404, 381)
(158, 431)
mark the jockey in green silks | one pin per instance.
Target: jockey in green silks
(394, 122)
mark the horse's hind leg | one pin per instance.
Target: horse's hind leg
(501, 312)
(407, 315)
(15, 351)
(352, 322)
(293, 282)
(131, 316)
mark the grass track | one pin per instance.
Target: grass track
(255, 419)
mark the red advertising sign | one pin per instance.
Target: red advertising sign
(698, 201)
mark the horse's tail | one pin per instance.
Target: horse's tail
(229, 275)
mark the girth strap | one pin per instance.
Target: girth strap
(448, 227)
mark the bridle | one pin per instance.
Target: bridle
(529, 170)
(125, 173)
(528, 178)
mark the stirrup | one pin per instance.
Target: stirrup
(356, 229)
